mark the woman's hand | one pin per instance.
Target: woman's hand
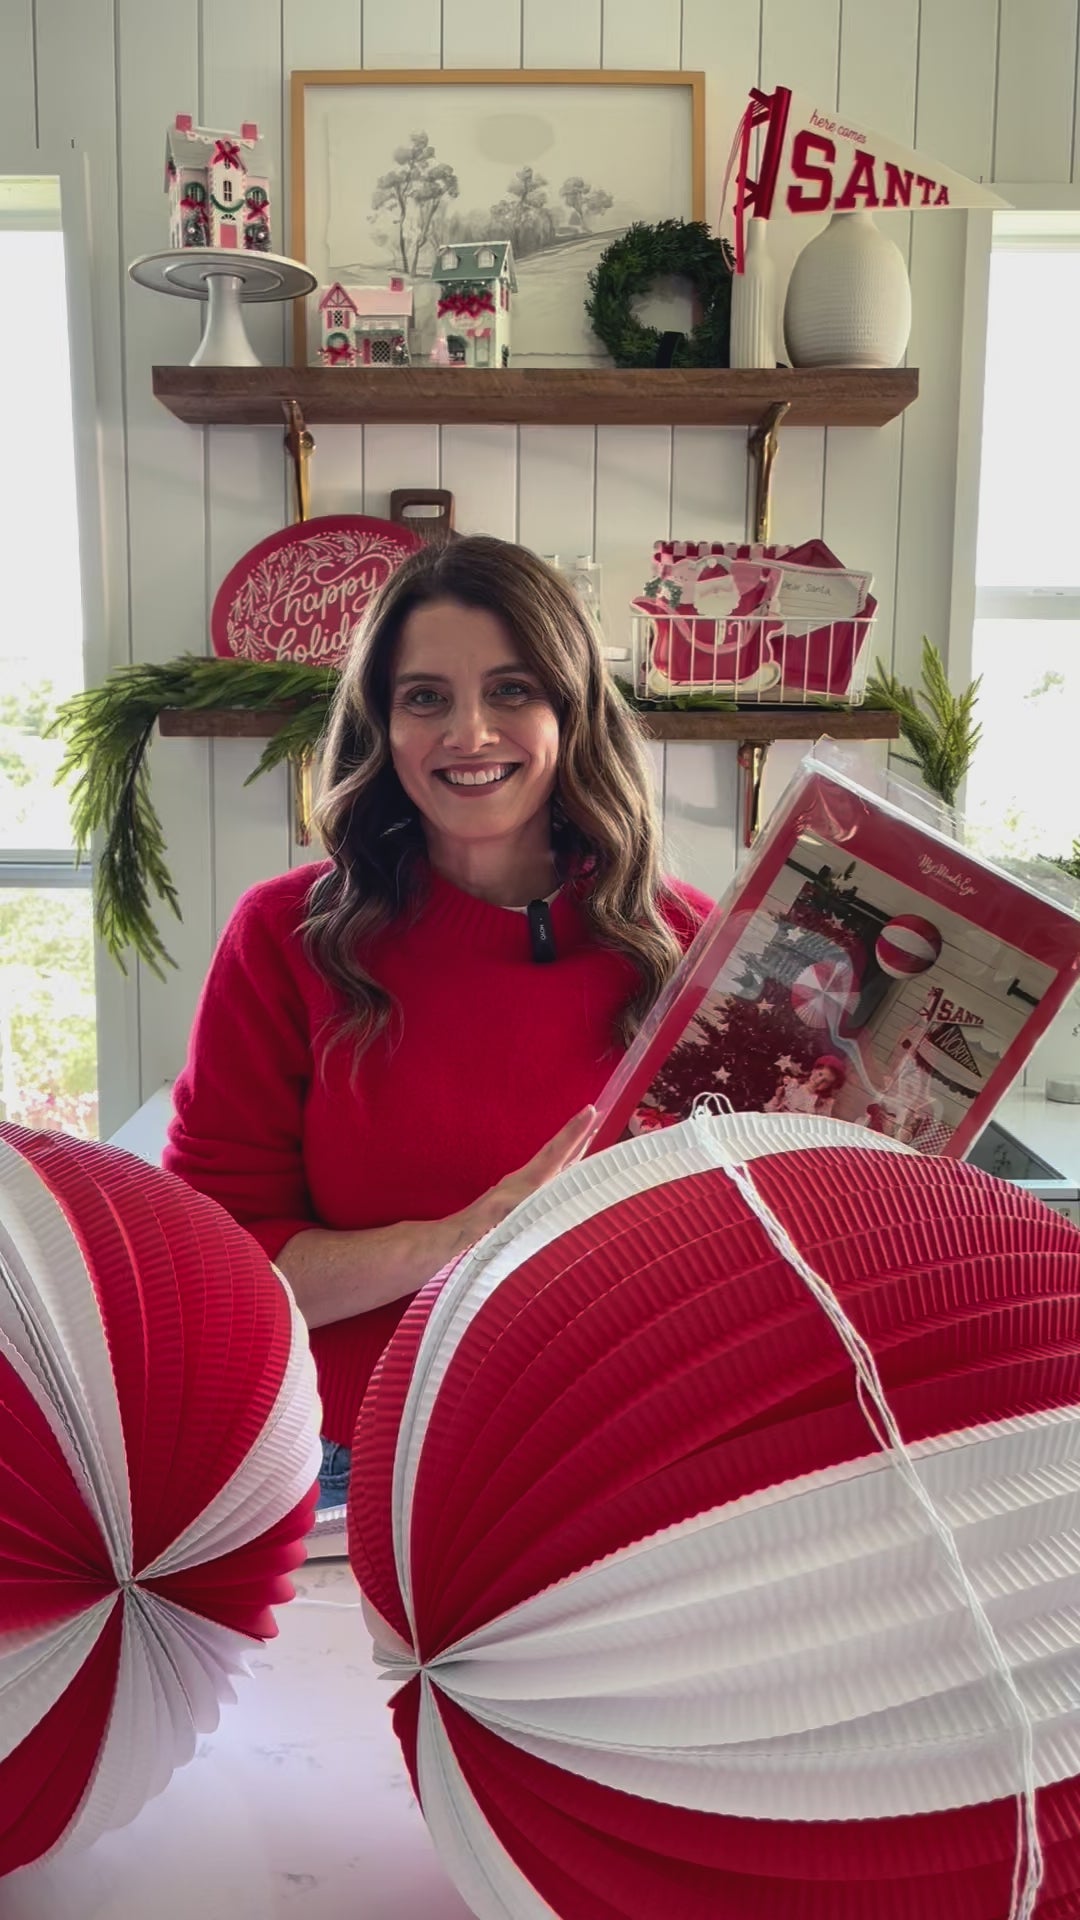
(494, 1205)
(336, 1274)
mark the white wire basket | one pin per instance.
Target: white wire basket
(756, 660)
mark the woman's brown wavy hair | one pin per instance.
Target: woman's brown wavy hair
(604, 824)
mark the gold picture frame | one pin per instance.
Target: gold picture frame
(340, 231)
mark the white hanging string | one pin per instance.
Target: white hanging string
(1028, 1867)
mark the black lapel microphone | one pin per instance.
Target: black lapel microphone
(541, 931)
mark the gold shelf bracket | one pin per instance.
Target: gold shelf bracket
(299, 445)
(762, 446)
(752, 756)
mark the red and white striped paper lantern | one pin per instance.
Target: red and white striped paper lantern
(824, 994)
(158, 1454)
(673, 1632)
(908, 946)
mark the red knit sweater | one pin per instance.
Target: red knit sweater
(493, 1056)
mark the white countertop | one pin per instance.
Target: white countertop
(298, 1807)
(1048, 1128)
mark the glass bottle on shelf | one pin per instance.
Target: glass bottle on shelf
(584, 574)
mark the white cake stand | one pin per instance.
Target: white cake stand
(224, 279)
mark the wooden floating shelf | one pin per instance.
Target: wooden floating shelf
(756, 725)
(537, 396)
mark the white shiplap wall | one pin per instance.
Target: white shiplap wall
(988, 86)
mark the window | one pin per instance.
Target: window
(485, 258)
(226, 190)
(448, 259)
(48, 1062)
(1023, 793)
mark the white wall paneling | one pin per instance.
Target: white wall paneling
(701, 813)
(633, 511)
(158, 74)
(481, 33)
(1033, 136)
(928, 492)
(401, 33)
(327, 35)
(557, 489)
(336, 470)
(398, 457)
(708, 483)
(878, 65)
(800, 47)
(247, 493)
(18, 74)
(480, 467)
(954, 120)
(641, 33)
(561, 33)
(179, 505)
(724, 43)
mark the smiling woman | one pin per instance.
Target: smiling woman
(379, 1071)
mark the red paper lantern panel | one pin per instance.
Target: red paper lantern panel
(909, 945)
(299, 595)
(158, 1453)
(674, 1633)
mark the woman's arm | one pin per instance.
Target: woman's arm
(237, 1135)
(335, 1275)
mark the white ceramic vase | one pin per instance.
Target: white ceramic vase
(753, 303)
(849, 298)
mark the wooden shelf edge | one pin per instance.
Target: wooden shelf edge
(531, 396)
(759, 726)
(755, 724)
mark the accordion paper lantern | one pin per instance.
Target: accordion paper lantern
(685, 1623)
(158, 1453)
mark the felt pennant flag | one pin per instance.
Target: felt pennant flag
(819, 161)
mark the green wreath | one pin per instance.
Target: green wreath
(630, 266)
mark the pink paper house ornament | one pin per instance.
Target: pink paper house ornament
(365, 326)
(218, 187)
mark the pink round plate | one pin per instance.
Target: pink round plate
(298, 595)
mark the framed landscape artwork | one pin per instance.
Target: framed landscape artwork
(387, 167)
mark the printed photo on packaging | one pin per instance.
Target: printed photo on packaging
(842, 996)
(865, 965)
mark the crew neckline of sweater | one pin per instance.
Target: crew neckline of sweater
(455, 910)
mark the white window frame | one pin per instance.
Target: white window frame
(1060, 205)
(119, 1090)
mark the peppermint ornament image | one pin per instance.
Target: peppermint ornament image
(908, 946)
(824, 994)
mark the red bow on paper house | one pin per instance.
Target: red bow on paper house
(191, 202)
(466, 305)
(227, 153)
(258, 213)
(338, 356)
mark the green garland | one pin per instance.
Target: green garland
(633, 263)
(107, 731)
(937, 724)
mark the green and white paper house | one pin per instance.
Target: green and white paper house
(475, 282)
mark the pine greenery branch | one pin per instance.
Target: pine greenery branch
(106, 731)
(938, 725)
